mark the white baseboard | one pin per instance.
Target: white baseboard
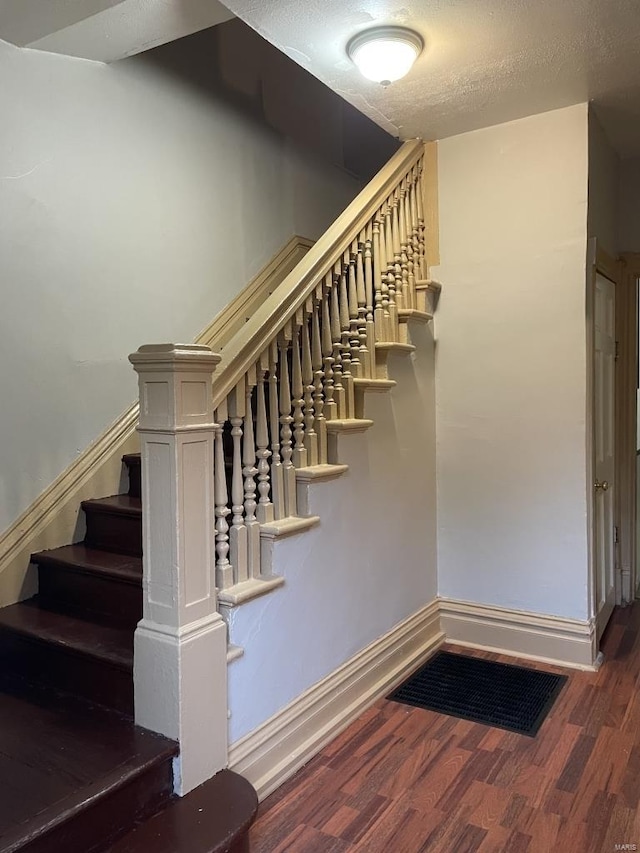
(568, 642)
(274, 751)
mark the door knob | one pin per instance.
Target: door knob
(601, 486)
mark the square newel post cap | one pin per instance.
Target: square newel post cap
(175, 383)
(172, 357)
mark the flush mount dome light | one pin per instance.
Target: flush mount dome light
(385, 54)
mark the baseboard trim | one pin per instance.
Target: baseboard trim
(273, 752)
(553, 639)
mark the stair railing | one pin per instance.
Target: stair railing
(221, 460)
(290, 378)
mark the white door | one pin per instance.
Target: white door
(604, 410)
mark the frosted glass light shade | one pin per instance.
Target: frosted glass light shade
(385, 54)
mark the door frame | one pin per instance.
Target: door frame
(600, 262)
(626, 421)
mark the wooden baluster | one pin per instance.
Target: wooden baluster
(342, 273)
(404, 239)
(415, 226)
(320, 421)
(384, 280)
(330, 402)
(378, 252)
(358, 367)
(264, 510)
(277, 471)
(411, 278)
(224, 569)
(422, 262)
(342, 300)
(238, 533)
(289, 472)
(361, 298)
(369, 291)
(297, 389)
(391, 275)
(311, 441)
(339, 393)
(250, 471)
(397, 251)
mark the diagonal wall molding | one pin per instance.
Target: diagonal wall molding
(52, 519)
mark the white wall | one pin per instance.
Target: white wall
(134, 203)
(511, 365)
(370, 563)
(629, 206)
(604, 166)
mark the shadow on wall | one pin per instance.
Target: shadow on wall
(236, 65)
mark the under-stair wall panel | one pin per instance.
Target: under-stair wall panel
(369, 564)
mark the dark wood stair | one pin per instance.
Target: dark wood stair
(215, 818)
(85, 658)
(114, 524)
(75, 772)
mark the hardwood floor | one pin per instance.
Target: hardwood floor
(405, 780)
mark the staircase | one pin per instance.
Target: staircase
(76, 772)
(244, 451)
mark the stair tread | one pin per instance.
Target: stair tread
(207, 820)
(112, 645)
(115, 504)
(94, 560)
(58, 753)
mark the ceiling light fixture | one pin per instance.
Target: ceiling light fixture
(385, 54)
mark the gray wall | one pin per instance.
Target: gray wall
(135, 200)
(629, 206)
(604, 167)
(511, 365)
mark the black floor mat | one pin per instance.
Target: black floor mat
(497, 694)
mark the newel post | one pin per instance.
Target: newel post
(180, 668)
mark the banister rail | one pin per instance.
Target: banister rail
(295, 374)
(245, 348)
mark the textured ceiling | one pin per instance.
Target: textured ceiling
(486, 61)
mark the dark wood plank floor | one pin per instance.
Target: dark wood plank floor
(405, 780)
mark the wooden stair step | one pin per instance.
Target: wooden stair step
(121, 505)
(86, 581)
(73, 773)
(397, 347)
(120, 567)
(78, 656)
(111, 645)
(213, 818)
(406, 315)
(114, 524)
(134, 469)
